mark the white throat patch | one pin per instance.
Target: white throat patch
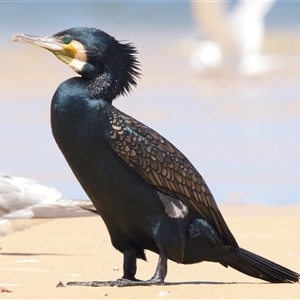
(80, 57)
(77, 65)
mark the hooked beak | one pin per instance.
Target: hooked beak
(46, 42)
(72, 53)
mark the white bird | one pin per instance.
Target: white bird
(23, 198)
(234, 38)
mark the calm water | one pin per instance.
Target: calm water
(242, 135)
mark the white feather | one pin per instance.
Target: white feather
(22, 198)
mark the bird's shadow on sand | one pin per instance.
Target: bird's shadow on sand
(115, 283)
(209, 282)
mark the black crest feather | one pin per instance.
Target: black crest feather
(132, 66)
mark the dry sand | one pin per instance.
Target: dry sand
(33, 261)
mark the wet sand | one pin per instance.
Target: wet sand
(33, 261)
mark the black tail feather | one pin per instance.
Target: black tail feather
(259, 267)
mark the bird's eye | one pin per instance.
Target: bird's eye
(67, 39)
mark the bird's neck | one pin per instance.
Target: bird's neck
(106, 85)
(100, 88)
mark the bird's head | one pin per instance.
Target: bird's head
(90, 52)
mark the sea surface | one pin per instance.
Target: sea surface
(242, 134)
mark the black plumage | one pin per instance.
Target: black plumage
(147, 192)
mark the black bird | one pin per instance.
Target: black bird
(147, 192)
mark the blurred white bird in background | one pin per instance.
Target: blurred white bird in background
(23, 198)
(234, 37)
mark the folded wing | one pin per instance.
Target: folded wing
(162, 165)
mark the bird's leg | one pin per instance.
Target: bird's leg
(161, 269)
(128, 278)
(129, 265)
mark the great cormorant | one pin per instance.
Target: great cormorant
(147, 192)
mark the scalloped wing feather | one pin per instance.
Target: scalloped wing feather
(165, 167)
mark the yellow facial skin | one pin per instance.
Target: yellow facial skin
(66, 54)
(73, 54)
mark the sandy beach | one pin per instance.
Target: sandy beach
(33, 261)
(241, 133)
